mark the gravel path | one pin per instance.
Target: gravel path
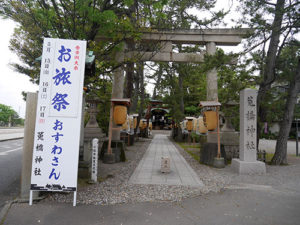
(115, 189)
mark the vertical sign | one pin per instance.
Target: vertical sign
(95, 161)
(57, 130)
(248, 125)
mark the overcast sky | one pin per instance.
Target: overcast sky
(12, 83)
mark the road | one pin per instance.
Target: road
(269, 146)
(11, 133)
(10, 169)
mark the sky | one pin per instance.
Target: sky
(11, 83)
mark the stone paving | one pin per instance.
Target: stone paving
(148, 170)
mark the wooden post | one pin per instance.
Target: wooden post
(218, 132)
(109, 151)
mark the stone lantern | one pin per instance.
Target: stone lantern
(91, 131)
(228, 127)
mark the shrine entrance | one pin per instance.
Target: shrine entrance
(157, 46)
(160, 119)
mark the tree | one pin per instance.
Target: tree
(274, 25)
(9, 117)
(289, 67)
(76, 19)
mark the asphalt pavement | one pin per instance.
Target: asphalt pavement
(10, 169)
(269, 146)
(234, 206)
(270, 199)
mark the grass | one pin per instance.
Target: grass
(187, 145)
(269, 157)
(194, 153)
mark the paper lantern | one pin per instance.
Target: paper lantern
(210, 120)
(125, 125)
(201, 127)
(195, 123)
(189, 125)
(150, 125)
(120, 114)
(131, 122)
(143, 124)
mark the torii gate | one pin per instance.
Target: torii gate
(208, 37)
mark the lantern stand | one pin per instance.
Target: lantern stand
(109, 157)
(218, 161)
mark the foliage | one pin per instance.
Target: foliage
(8, 115)
(82, 20)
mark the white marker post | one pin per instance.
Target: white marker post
(94, 170)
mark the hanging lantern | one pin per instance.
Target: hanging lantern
(144, 125)
(120, 110)
(195, 122)
(131, 122)
(150, 125)
(189, 124)
(135, 116)
(201, 127)
(141, 124)
(210, 120)
(120, 114)
(125, 125)
(181, 124)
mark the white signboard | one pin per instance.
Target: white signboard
(57, 130)
(95, 160)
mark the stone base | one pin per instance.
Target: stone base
(243, 167)
(226, 138)
(209, 151)
(109, 158)
(118, 148)
(219, 163)
(83, 170)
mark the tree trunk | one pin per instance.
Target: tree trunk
(280, 156)
(180, 85)
(160, 71)
(269, 69)
(129, 80)
(140, 72)
(135, 96)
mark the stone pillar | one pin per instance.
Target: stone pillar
(166, 46)
(81, 145)
(212, 77)
(117, 92)
(247, 163)
(30, 117)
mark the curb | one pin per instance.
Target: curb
(11, 139)
(8, 205)
(4, 211)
